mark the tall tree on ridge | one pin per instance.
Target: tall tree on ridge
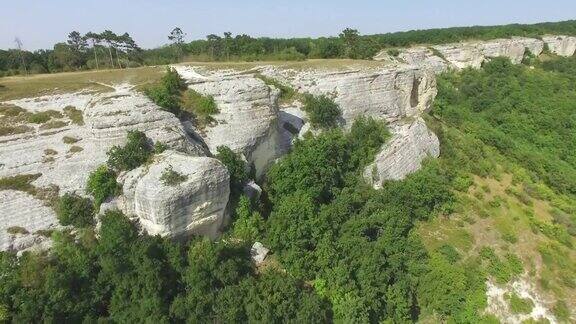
(177, 38)
(95, 39)
(109, 37)
(19, 46)
(77, 45)
(351, 38)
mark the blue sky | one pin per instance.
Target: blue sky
(41, 23)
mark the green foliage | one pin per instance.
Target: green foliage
(203, 107)
(287, 94)
(130, 156)
(22, 182)
(322, 111)
(75, 210)
(236, 168)
(166, 93)
(393, 52)
(74, 114)
(502, 270)
(248, 224)
(43, 116)
(519, 305)
(102, 185)
(520, 113)
(169, 177)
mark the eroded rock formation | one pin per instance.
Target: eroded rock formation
(193, 205)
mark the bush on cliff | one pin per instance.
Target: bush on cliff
(75, 210)
(322, 111)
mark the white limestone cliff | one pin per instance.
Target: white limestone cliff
(561, 45)
(247, 118)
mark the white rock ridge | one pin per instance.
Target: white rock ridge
(194, 206)
(472, 54)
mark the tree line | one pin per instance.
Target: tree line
(109, 50)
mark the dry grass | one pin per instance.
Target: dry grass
(54, 124)
(74, 114)
(45, 84)
(70, 140)
(75, 149)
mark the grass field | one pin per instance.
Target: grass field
(16, 87)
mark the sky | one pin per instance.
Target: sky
(41, 23)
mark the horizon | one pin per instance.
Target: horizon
(150, 23)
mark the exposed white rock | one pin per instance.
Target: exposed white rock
(107, 118)
(499, 306)
(20, 209)
(509, 48)
(403, 154)
(388, 94)
(252, 190)
(423, 57)
(291, 121)
(194, 206)
(247, 121)
(561, 45)
(461, 55)
(533, 45)
(258, 252)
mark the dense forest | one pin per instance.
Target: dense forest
(342, 251)
(109, 50)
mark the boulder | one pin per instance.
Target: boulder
(196, 205)
(403, 154)
(561, 45)
(258, 252)
(247, 121)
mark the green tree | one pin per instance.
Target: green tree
(75, 210)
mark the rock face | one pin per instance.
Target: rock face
(561, 45)
(533, 45)
(397, 96)
(403, 154)
(247, 121)
(423, 57)
(440, 58)
(510, 48)
(389, 94)
(462, 55)
(194, 206)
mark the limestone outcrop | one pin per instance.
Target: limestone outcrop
(388, 94)
(247, 121)
(561, 45)
(403, 154)
(461, 55)
(440, 58)
(195, 204)
(397, 96)
(66, 154)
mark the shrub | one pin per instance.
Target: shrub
(54, 124)
(203, 107)
(287, 94)
(22, 182)
(17, 230)
(394, 52)
(170, 177)
(75, 210)
(322, 111)
(102, 185)
(236, 167)
(136, 151)
(74, 114)
(249, 224)
(43, 116)
(519, 305)
(69, 140)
